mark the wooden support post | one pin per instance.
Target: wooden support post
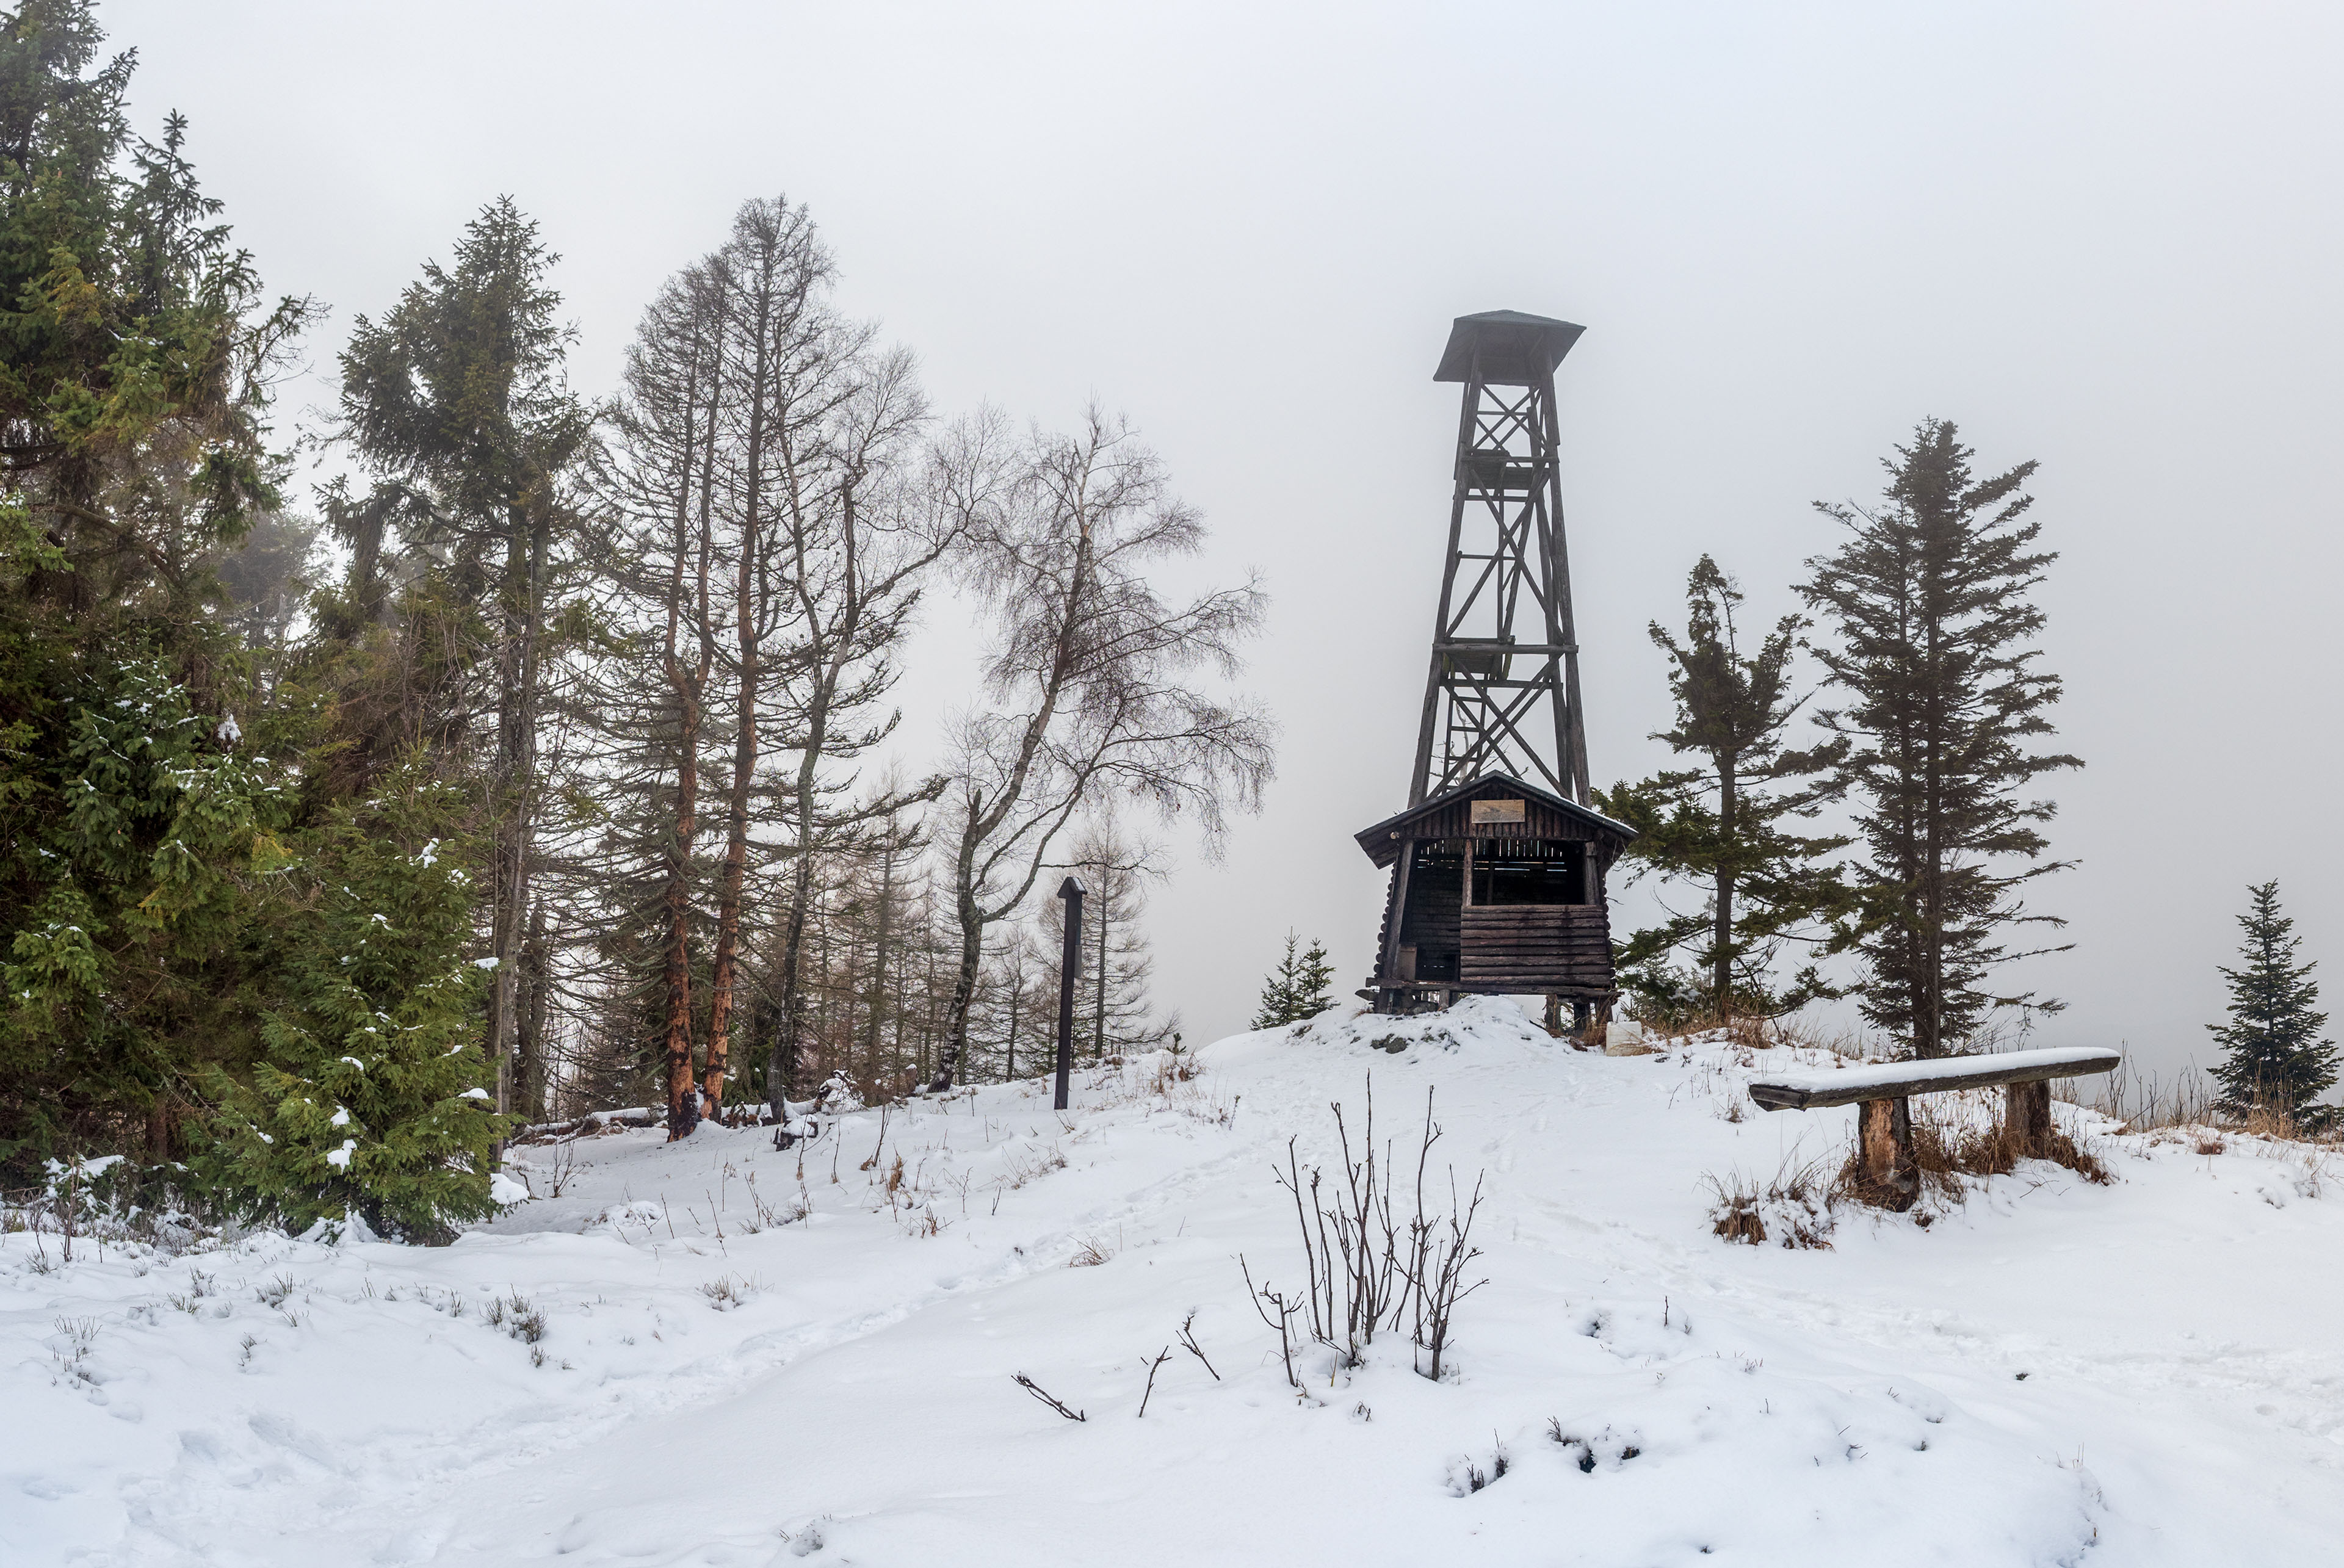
(1388, 999)
(1582, 1016)
(1554, 1016)
(2026, 1113)
(1887, 1176)
(1070, 965)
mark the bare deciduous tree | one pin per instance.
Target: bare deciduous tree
(1091, 675)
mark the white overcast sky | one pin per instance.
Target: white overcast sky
(2103, 236)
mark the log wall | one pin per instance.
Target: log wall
(1535, 947)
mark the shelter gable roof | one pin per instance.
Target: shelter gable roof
(1377, 838)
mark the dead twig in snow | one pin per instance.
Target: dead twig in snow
(1152, 1368)
(1188, 1342)
(1031, 1387)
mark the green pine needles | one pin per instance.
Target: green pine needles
(2277, 1059)
(371, 1099)
(1723, 828)
(1942, 700)
(1297, 989)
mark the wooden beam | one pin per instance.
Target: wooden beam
(1895, 1080)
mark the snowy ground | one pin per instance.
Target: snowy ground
(2052, 1372)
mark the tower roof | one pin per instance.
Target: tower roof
(1516, 350)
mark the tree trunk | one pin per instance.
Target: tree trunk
(781, 1058)
(1098, 1024)
(1721, 953)
(525, 569)
(530, 1066)
(691, 689)
(721, 973)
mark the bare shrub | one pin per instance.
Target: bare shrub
(1586, 1453)
(1369, 1265)
(1468, 1478)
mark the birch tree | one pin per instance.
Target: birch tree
(1091, 679)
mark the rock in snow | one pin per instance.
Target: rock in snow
(716, 1353)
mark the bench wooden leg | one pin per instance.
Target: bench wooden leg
(2026, 1113)
(1887, 1172)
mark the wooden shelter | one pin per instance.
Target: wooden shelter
(1497, 888)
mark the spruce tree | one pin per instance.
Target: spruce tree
(1931, 597)
(2277, 1059)
(1722, 827)
(372, 1098)
(1296, 988)
(457, 400)
(134, 375)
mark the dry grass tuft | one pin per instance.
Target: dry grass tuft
(1797, 1199)
(1948, 1146)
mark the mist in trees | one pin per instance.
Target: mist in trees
(1942, 698)
(547, 760)
(456, 400)
(1724, 829)
(1090, 683)
(1934, 706)
(2274, 1059)
(1296, 990)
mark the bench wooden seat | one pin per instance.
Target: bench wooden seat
(1886, 1168)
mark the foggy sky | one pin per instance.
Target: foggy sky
(2102, 236)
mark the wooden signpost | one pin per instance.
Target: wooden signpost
(1070, 965)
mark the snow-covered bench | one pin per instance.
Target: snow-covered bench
(1884, 1162)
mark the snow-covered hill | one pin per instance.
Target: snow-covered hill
(717, 1353)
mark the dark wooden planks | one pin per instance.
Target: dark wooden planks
(1535, 946)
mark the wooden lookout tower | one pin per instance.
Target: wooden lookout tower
(1497, 865)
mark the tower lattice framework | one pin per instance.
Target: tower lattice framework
(1502, 694)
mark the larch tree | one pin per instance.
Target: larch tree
(2274, 1058)
(1722, 827)
(1090, 683)
(1943, 698)
(660, 472)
